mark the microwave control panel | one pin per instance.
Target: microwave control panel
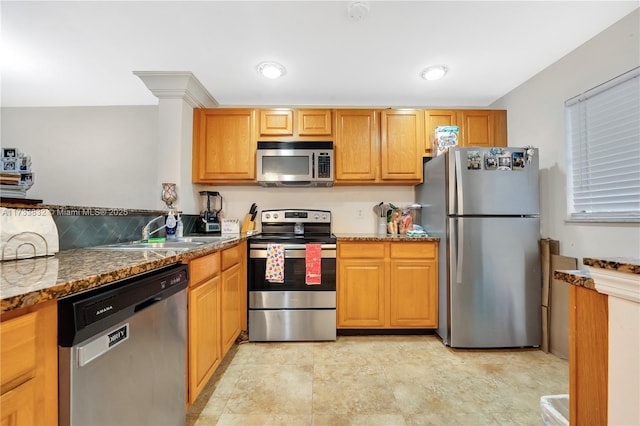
(324, 165)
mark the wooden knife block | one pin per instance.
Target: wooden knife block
(248, 224)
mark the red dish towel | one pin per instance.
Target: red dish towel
(313, 254)
(274, 270)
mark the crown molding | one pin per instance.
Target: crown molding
(177, 85)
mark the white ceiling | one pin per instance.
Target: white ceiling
(84, 53)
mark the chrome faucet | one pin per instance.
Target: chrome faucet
(145, 229)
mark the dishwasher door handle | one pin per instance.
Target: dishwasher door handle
(102, 344)
(140, 306)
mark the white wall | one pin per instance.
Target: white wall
(107, 157)
(104, 156)
(97, 156)
(536, 117)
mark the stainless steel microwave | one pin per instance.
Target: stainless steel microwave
(295, 163)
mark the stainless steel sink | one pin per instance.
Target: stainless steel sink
(180, 244)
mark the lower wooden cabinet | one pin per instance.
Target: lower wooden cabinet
(230, 306)
(29, 365)
(387, 285)
(204, 354)
(217, 307)
(588, 356)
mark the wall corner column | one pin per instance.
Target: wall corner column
(178, 92)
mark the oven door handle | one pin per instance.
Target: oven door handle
(291, 254)
(291, 246)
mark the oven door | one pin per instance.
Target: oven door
(294, 269)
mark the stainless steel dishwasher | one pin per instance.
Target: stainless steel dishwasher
(122, 352)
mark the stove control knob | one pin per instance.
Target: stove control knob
(267, 215)
(275, 215)
(316, 216)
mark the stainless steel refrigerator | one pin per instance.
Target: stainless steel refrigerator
(484, 205)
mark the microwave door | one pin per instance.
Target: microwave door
(285, 166)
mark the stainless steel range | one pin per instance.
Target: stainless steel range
(292, 277)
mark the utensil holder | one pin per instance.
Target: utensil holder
(382, 226)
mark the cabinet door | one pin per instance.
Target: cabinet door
(361, 293)
(588, 356)
(356, 147)
(224, 145)
(413, 293)
(477, 128)
(204, 341)
(230, 306)
(402, 135)
(434, 118)
(276, 122)
(18, 406)
(314, 122)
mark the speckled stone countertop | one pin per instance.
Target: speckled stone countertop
(619, 264)
(378, 237)
(577, 277)
(30, 281)
(584, 279)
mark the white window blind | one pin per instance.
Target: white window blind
(603, 137)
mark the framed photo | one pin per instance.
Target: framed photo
(490, 162)
(26, 179)
(9, 152)
(9, 165)
(474, 160)
(504, 162)
(518, 161)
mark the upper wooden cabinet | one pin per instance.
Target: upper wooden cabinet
(356, 146)
(284, 124)
(485, 128)
(224, 145)
(276, 122)
(401, 145)
(314, 122)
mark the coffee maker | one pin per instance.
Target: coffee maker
(209, 221)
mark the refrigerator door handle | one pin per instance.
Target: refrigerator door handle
(460, 251)
(458, 183)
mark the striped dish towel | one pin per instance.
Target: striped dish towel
(313, 256)
(274, 271)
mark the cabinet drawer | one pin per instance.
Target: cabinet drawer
(361, 250)
(203, 268)
(412, 250)
(18, 350)
(231, 256)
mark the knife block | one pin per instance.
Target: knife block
(248, 224)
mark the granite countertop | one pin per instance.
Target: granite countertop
(583, 278)
(30, 281)
(619, 264)
(378, 237)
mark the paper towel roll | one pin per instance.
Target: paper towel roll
(26, 233)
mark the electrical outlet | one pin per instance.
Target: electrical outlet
(359, 214)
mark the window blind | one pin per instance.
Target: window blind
(603, 138)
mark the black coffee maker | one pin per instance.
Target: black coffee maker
(209, 221)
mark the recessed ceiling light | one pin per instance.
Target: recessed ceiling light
(271, 70)
(435, 72)
(357, 10)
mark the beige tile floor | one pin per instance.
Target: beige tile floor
(378, 380)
